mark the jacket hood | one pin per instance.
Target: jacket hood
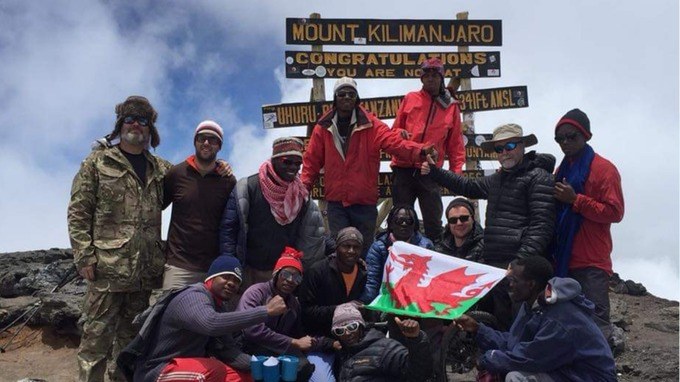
(535, 160)
(563, 289)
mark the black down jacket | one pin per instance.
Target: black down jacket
(520, 215)
(472, 247)
(376, 358)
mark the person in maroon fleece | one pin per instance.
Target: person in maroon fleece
(590, 199)
(198, 190)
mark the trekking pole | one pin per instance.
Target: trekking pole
(33, 310)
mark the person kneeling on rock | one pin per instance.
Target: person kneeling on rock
(553, 338)
(189, 333)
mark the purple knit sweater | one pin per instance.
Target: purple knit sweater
(189, 321)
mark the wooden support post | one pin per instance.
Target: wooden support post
(318, 94)
(468, 118)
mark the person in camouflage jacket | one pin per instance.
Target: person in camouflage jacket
(114, 222)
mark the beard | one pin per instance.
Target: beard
(205, 159)
(135, 139)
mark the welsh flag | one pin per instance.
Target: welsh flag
(423, 283)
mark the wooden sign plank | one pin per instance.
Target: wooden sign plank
(305, 113)
(304, 31)
(385, 184)
(303, 64)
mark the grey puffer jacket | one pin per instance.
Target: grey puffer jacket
(520, 215)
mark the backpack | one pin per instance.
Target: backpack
(149, 319)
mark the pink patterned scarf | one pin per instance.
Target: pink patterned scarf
(285, 198)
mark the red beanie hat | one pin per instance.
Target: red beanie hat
(290, 257)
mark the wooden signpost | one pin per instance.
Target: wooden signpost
(302, 64)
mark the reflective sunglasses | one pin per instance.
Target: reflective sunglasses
(566, 137)
(507, 147)
(130, 119)
(213, 140)
(462, 218)
(349, 328)
(404, 221)
(294, 278)
(351, 95)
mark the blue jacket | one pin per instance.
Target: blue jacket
(375, 262)
(558, 337)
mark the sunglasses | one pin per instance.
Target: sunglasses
(462, 218)
(507, 147)
(351, 95)
(294, 278)
(130, 119)
(291, 162)
(349, 328)
(566, 137)
(213, 140)
(404, 221)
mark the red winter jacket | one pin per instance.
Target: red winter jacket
(353, 179)
(428, 122)
(600, 205)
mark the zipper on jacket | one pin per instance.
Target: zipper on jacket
(430, 117)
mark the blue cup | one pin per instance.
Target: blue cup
(271, 373)
(256, 367)
(289, 367)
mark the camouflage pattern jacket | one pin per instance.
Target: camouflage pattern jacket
(115, 222)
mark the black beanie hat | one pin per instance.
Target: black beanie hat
(578, 119)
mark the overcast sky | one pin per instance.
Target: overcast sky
(65, 64)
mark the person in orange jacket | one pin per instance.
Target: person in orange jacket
(429, 116)
(346, 143)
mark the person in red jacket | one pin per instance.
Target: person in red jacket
(588, 189)
(346, 143)
(429, 116)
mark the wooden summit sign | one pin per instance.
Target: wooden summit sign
(303, 64)
(385, 184)
(303, 31)
(472, 142)
(306, 113)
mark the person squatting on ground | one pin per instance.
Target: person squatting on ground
(346, 144)
(463, 237)
(284, 334)
(402, 225)
(367, 355)
(114, 222)
(590, 199)
(198, 194)
(338, 279)
(270, 210)
(520, 215)
(430, 115)
(553, 338)
(180, 342)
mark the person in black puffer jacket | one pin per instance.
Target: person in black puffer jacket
(370, 356)
(463, 237)
(520, 215)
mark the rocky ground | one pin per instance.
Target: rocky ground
(45, 348)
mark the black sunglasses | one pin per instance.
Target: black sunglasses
(130, 119)
(351, 95)
(462, 218)
(349, 328)
(294, 278)
(566, 137)
(404, 221)
(213, 140)
(290, 162)
(507, 147)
